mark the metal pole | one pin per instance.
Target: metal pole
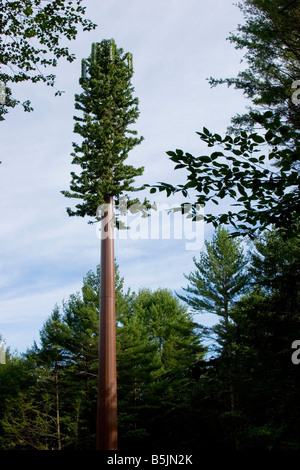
(107, 377)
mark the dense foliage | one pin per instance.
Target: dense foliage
(270, 36)
(108, 111)
(254, 172)
(255, 175)
(50, 398)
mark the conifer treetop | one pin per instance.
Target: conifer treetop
(108, 111)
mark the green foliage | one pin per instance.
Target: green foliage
(275, 265)
(170, 395)
(219, 280)
(257, 174)
(34, 428)
(157, 343)
(13, 378)
(136, 368)
(109, 110)
(32, 36)
(270, 37)
(257, 171)
(266, 323)
(170, 327)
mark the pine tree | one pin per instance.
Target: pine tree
(108, 112)
(170, 327)
(66, 361)
(15, 376)
(50, 396)
(136, 365)
(219, 279)
(276, 266)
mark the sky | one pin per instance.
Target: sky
(176, 46)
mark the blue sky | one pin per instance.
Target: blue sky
(176, 46)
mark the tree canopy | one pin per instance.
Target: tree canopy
(109, 110)
(50, 396)
(270, 36)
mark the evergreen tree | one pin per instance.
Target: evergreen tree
(170, 327)
(136, 366)
(220, 278)
(159, 367)
(28, 424)
(51, 360)
(74, 335)
(51, 403)
(270, 37)
(276, 267)
(108, 112)
(15, 376)
(258, 168)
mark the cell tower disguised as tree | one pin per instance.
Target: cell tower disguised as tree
(109, 109)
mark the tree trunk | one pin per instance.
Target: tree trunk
(107, 382)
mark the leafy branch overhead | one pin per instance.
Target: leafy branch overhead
(32, 34)
(257, 173)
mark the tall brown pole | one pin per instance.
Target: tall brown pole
(107, 376)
